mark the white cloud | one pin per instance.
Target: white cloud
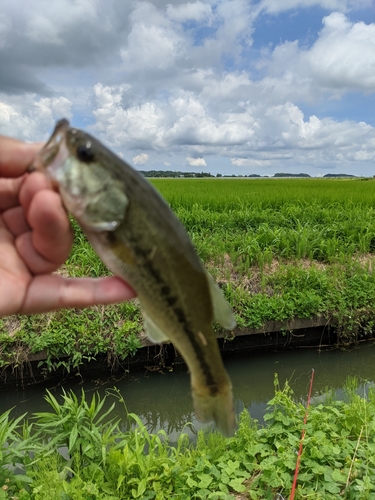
(236, 20)
(276, 6)
(190, 11)
(138, 126)
(42, 30)
(178, 81)
(29, 118)
(5, 29)
(250, 162)
(195, 162)
(341, 60)
(60, 106)
(231, 113)
(254, 134)
(50, 24)
(160, 44)
(153, 42)
(140, 159)
(344, 55)
(108, 97)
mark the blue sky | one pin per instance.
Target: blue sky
(223, 86)
(304, 25)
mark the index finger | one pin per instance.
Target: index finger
(16, 156)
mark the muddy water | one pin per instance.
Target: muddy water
(162, 400)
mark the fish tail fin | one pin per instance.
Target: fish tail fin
(217, 408)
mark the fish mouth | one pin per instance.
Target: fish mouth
(50, 151)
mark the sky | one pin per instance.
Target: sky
(222, 86)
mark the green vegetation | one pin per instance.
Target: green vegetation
(264, 192)
(71, 337)
(78, 450)
(173, 173)
(280, 249)
(281, 174)
(285, 248)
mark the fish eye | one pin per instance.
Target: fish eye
(85, 153)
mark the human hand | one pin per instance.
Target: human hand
(35, 239)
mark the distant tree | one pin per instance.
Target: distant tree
(338, 175)
(173, 174)
(282, 174)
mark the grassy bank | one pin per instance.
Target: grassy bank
(100, 460)
(280, 249)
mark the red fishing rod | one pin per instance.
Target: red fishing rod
(302, 438)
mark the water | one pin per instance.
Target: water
(162, 400)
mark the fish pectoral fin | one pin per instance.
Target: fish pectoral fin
(153, 331)
(223, 313)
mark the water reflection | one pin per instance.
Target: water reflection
(163, 401)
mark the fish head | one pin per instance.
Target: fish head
(79, 166)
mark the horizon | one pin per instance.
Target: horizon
(299, 175)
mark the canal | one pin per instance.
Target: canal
(162, 399)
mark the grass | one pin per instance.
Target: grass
(224, 194)
(71, 337)
(78, 450)
(284, 249)
(280, 249)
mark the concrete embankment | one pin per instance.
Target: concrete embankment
(296, 333)
(277, 334)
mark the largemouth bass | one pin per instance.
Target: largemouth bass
(139, 238)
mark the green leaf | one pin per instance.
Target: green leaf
(339, 476)
(73, 438)
(191, 483)
(205, 480)
(237, 485)
(141, 487)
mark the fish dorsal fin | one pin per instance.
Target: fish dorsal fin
(222, 311)
(153, 331)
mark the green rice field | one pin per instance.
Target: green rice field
(279, 248)
(254, 221)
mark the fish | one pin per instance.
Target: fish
(139, 238)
